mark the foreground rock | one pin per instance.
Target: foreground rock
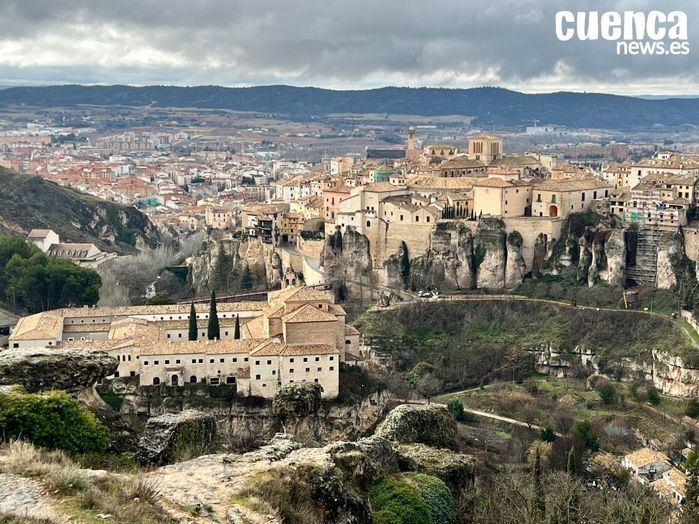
(44, 369)
(174, 437)
(426, 424)
(324, 484)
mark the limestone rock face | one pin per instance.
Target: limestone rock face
(175, 437)
(425, 424)
(297, 400)
(455, 469)
(346, 258)
(490, 250)
(615, 253)
(666, 277)
(584, 260)
(44, 369)
(514, 266)
(447, 264)
(540, 254)
(673, 377)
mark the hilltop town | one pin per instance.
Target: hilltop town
(234, 277)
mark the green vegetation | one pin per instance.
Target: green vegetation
(247, 282)
(356, 385)
(29, 280)
(53, 420)
(653, 396)
(236, 332)
(456, 408)
(213, 331)
(193, 329)
(394, 501)
(692, 409)
(404, 264)
(462, 343)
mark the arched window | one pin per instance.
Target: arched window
(193, 379)
(156, 381)
(175, 381)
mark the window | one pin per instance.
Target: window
(291, 359)
(320, 369)
(156, 381)
(257, 362)
(193, 379)
(427, 219)
(230, 380)
(214, 381)
(332, 368)
(274, 372)
(211, 361)
(257, 377)
(269, 362)
(308, 370)
(291, 370)
(221, 360)
(246, 359)
(132, 373)
(305, 359)
(145, 362)
(331, 358)
(368, 223)
(201, 360)
(235, 359)
(315, 380)
(167, 362)
(168, 335)
(194, 361)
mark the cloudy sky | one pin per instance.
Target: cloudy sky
(330, 43)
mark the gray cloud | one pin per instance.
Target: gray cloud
(329, 43)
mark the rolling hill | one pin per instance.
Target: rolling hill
(30, 202)
(490, 106)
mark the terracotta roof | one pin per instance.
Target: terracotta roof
(309, 313)
(41, 326)
(208, 347)
(381, 187)
(255, 328)
(498, 182)
(307, 349)
(644, 456)
(572, 185)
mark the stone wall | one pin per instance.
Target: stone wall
(530, 228)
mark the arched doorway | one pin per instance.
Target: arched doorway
(175, 380)
(156, 381)
(193, 379)
(553, 211)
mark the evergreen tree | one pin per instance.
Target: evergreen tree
(539, 496)
(214, 331)
(220, 269)
(405, 265)
(246, 281)
(193, 329)
(570, 465)
(236, 333)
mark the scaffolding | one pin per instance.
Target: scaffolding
(645, 271)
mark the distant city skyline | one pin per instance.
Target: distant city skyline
(330, 44)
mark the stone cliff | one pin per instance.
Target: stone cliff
(222, 270)
(668, 373)
(346, 261)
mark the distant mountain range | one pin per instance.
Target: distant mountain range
(491, 107)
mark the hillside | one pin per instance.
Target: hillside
(489, 106)
(30, 202)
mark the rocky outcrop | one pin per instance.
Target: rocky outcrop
(346, 260)
(515, 268)
(448, 263)
(613, 273)
(424, 424)
(665, 275)
(674, 377)
(490, 254)
(175, 437)
(330, 481)
(264, 262)
(455, 469)
(44, 369)
(295, 401)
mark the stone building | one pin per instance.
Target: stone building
(298, 335)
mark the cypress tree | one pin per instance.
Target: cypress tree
(193, 329)
(405, 265)
(236, 333)
(246, 281)
(539, 497)
(214, 331)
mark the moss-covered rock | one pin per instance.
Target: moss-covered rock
(175, 437)
(425, 424)
(297, 400)
(456, 470)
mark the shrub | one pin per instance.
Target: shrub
(653, 396)
(436, 496)
(692, 409)
(52, 420)
(547, 435)
(456, 408)
(393, 500)
(585, 434)
(607, 393)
